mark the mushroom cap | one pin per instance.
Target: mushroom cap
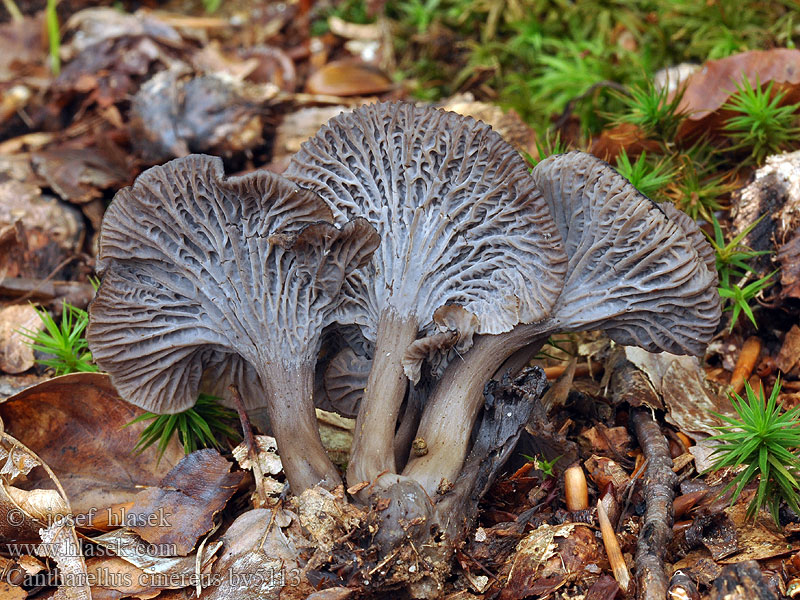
(643, 273)
(204, 272)
(459, 217)
(344, 381)
(696, 236)
(457, 327)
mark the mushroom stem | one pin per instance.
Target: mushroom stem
(373, 439)
(456, 402)
(294, 425)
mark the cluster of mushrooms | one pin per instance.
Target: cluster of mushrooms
(406, 258)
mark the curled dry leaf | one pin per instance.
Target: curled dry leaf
(266, 450)
(269, 489)
(42, 505)
(260, 558)
(79, 175)
(60, 543)
(76, 424)
(156, 568)
(51, 511)
(550, 556)
(182, 507)
(457, 326)
(710, 87)
(680, 381)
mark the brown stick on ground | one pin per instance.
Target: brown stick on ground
(250, 442)
(745, 363)
(659, 492)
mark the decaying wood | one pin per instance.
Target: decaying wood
(682, 586)
(37, 290)
(659, 492)
(742, 581)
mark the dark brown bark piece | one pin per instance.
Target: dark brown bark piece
(789, 259)
(630, 384)
(659, 491)
(605, 588)
(683, 586)
(742, 581)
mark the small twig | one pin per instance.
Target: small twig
(480, 565)
(198, 563)
(381, 564)
(14, 11)
(274, 511)
(615, 559)
(751, 349)
(250, 442)
(629, 488)
(659, 492)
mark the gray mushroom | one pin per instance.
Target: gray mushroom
(204, 272)
(460, 223)
(641, 272)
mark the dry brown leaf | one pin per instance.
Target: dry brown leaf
(49, 509)
(182, 507)
(23, 46)
(9, 591)
(710, 87)
(259, 559)
(60, 543)
(604, 440)
(16, 354)
(80, 175)
(625, 136)
(681, 382)
(789, 354)
(758, 539)
(549, 557)
(132, 562)
(76, 424)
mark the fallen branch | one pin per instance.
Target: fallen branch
(659, 493)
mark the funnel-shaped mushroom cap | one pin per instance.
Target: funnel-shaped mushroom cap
(459, 218)
(638, 271)
(199, 269)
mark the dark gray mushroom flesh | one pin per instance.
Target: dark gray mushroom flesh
(643, 276)
(479, 262)
(204, 272)
(453, 205)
